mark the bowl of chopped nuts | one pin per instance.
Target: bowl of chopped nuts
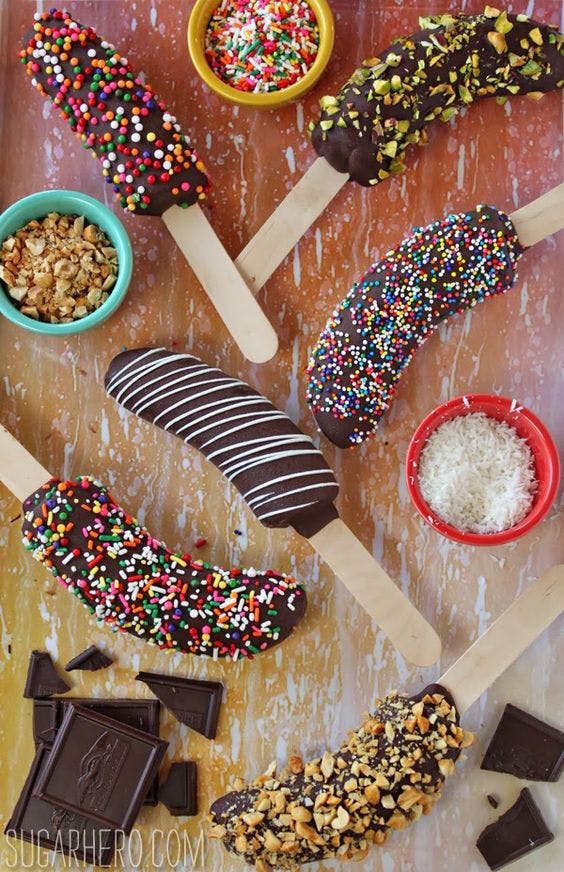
(65, 262)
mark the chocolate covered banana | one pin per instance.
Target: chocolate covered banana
(387, 105)
(383, 778)
(134, 583)
(450, 63)
(391, 770)
(278, 470)
(283, 477)
(441, 269)
(143, 154)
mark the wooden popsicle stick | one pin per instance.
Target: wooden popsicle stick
(506, 639)
(233, 300)
(539, 219)
(375, 591)
(19, 470)
(288, 223)
(290, 220)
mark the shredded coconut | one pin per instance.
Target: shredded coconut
(477, 474)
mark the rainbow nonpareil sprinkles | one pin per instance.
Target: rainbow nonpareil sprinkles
(134, 583)
(260, 46)
(143, 152)
(441, 269)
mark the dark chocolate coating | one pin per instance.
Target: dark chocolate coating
(440, 270)
(277, 468)
(388, 102)
(145, 156)
(380, 754)
(134, 583)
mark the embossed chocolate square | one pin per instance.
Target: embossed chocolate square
(41, 823)
(140, 713)
(100, 768)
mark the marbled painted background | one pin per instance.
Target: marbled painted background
(305, 695)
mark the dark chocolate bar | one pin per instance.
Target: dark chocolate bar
(517, 832)
(91, 659)
(42, 677)
(179, 792)
(41, 823)
(100, 768)
(143, 714)
(193, 702)
(526, 747)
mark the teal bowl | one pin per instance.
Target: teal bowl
(38, 206)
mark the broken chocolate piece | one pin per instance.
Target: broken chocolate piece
(92, 659)
(179, 791)
(41, 823)
(192, 702)
(42, 677)
(526, 747)
(100, 768)
(46, 721)
(143, 714)
(516, 833)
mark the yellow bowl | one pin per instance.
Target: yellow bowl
(197, 26)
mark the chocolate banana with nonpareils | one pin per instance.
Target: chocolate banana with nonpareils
(440, 270)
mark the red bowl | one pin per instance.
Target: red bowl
(527, 425)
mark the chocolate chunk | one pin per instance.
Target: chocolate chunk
(42, 677)
(192, 702)
(516, 833)
(493, 800)
(100, 768)
(526, 747)
(41, 823)
(46, 720)
(180, 790)
(143, 714)
(92, 659)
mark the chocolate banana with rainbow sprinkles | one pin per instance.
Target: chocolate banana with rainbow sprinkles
(129, 580)
(439, 270)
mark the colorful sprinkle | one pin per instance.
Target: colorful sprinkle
(441, 269)
(131, 581)
(262, 45)
(143, 153)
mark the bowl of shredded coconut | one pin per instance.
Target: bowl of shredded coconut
(482, 469)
